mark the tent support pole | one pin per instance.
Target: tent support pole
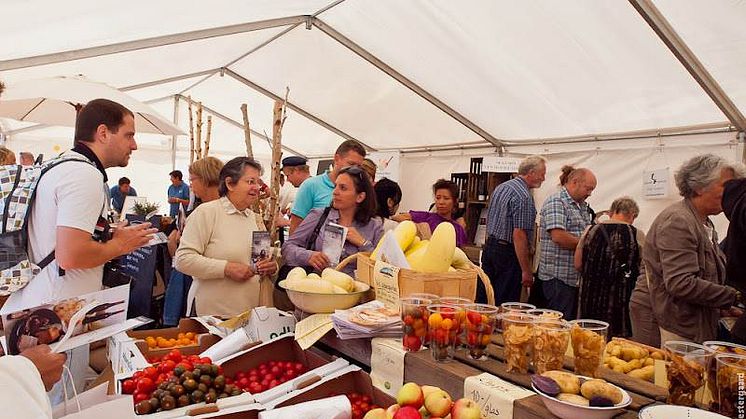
(240, 125)
(367, 56)
(295, 108)
(168, 80)
(139, 44)
(174, 137)
(689, 60)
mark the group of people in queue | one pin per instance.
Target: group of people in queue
(674, 283)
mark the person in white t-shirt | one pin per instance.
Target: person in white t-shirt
(25, 378)
(69, 215)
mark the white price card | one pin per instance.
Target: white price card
(493, 395)
(387, 365)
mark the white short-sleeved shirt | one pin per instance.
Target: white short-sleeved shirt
(72, 194)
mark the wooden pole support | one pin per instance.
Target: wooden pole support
(247, 131)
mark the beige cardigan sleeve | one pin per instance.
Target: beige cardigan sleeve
(190, 257)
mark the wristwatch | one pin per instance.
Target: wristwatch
(366, 243)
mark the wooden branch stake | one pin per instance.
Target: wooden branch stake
(191, 131)
(198, 151)
(208, 136)
(247, 131)
(279, 114)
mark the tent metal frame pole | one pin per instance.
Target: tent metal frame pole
(168, 80)
(174, 138)
(26, 129)
(660, 25)
(239, 125)
(153, 42)
(294, 107)
(378, 63)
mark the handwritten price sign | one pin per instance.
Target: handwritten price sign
(493, 395)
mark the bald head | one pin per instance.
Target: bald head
(580, 184)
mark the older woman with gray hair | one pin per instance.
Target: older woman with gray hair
(684, 264)
(216, 245)
(608, 257)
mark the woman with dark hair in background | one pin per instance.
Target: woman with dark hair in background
(388, 197)
(446, 205)
(353, 206)
(216, 246)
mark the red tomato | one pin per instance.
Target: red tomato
(151, 372)
(240, 375)
(299, 367)
(193, 359)
(353, 397)
(186, 365)
(243, 382)
(205, 360)
(138, 397)
(161, 378)
(253, 378)
(289, 374)
(268, 377)
(265, 383)
(175, 355)
(137, 375)
(276, 371)
(365, 398)
(128, 386)
(145, 385)
(274, 383)
(228, 380)
(166, 366)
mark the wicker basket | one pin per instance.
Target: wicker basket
(462, 283)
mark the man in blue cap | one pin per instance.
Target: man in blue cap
(295, 169)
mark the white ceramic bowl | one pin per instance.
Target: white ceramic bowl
(566, 410)
(667, 411)
(326, 303)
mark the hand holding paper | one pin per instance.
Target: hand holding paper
(47, 362)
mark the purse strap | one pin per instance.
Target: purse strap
(311, 243)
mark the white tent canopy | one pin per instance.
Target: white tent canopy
(406, 75)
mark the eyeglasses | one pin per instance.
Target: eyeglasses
(354, 170)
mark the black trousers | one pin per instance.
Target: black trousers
(500, 263)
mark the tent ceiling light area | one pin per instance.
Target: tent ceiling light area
(405, 75)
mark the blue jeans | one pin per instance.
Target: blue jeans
(174, 306)
(561, 297)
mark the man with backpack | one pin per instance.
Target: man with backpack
(69, 235)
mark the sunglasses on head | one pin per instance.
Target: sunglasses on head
(354, 170)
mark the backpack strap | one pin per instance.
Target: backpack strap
(311, 243)
(46, 261)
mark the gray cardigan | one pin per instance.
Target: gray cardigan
(687, 273)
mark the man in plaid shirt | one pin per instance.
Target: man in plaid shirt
(564, 216)
(510, 224)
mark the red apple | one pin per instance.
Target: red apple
(376, 414)
(410, 395)
(407, 412)
(438, 403)
(465, 409)
(391, 411)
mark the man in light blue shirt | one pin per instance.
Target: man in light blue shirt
(178, 193)
(120, 192)
(316, 192)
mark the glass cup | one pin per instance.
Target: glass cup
(414, 316)
(720, 348)
(443, 325)
(551, 337)
(588, 339)
(730, 381)
(424, 295)
(513, 306)
(459, 302)
(686, 370)
(545, 313)
(479, 326)
(518, 340)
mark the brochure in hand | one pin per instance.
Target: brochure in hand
(260, 246)
(333, 243)
(71, 322)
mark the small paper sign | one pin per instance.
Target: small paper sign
(655, 183)
(498, 164)
(493, 395)
(387, 365)
(386, 282)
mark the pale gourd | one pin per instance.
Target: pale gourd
(339, 279)
(404, 233)
(309, 285)
(314, 276)
(438, 254)
(296, 272)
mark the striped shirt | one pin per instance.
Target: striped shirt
(511, 207)
(561, 211)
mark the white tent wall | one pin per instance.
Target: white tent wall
(618, 166)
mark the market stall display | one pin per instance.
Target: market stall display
(588, 339)
(571, 396)
(686, 366)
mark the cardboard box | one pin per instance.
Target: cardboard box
(185, 325)
(350, 380)
(267, 323)
(283, 348)
(124, 355)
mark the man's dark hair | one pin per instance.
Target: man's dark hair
(449, 186)
(385, 189)
(350, 145)
(2, 87)
(366, 209)
(234, 169)
(97, 112)
(124, 181)
(177, 174)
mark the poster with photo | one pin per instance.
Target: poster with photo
(387, 164)
(59, 320)
(260, 246)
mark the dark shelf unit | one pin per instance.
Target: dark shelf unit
(475, 190)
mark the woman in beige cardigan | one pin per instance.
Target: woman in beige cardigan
(216, 245)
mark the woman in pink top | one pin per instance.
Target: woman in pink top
(446, 204)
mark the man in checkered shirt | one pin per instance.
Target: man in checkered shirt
(506, 258)
(564, 216)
